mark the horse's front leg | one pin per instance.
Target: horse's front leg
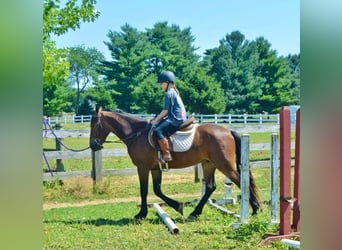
(157, 179)
(143, 180)
(210, 186)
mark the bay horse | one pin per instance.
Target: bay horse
(213, 146)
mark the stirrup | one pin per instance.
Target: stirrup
(163, 165)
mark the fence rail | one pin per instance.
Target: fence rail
(59, 155)
(201, 118)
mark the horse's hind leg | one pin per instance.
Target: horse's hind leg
(254, 200)
(210, 186)
(157, 179)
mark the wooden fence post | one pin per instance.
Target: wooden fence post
(285, 171)
(296, 190)
(96, 172)
(274, 178)
(244, 203)
(59, 162)
(196, 169)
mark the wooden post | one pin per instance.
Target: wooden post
(285, 171)
(244, 185)
(96, 172)
(59, 162)
(296, 190)
(196, 169)
(274, 179)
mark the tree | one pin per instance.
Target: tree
(84, 64)
(294, 61)
(276, 90)
(58, 20)
(148, 96)
(170, 48)
(138, 57)
(233, 64)
(127, 67)
(101, 94)
(56, 94)
(202, 93)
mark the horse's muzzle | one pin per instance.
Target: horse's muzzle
(96, 145)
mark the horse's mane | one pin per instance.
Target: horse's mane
(125, 114)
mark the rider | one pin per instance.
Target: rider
(172, 115)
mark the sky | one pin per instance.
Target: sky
(210, 21)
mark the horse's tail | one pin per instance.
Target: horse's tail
(237, 140)
(253, 187)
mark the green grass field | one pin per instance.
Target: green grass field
(100, 216)
(80, 215)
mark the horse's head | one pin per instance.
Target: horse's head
(98, 133)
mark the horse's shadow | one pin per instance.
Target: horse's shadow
(105, 222)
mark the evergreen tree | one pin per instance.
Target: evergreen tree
(276, 90)
(233, 64)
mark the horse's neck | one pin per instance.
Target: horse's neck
(114, 125)
(121, 126)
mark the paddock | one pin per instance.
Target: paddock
(60, 155)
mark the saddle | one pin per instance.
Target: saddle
(180, 140)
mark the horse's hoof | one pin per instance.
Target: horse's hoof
(192, 218)
(139, 217)
(136, 220)
(180, 209)
(255, 211)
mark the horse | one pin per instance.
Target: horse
(214, 146)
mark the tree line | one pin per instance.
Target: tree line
(238, 76)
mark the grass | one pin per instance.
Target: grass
(110, 225)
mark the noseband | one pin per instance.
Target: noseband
(96, 145)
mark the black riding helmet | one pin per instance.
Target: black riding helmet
(166, 76)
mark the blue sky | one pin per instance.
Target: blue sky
(277, 21)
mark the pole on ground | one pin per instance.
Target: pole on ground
(166, 219)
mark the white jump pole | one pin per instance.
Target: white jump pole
(291, 243)
(169, 223)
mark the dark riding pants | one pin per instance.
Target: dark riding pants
(164, 128)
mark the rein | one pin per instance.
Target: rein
(136, 134)
(60, 142)
(127, 138)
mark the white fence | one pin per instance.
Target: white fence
(201, 118)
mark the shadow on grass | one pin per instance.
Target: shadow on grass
(105, 222)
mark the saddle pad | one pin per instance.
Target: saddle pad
(182, 140)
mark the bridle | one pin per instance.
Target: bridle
(97, 145)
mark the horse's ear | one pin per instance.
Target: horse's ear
(97, 109)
